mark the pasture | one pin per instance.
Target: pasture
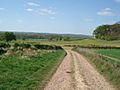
(83, 42)
(27, 67)
(114, 53)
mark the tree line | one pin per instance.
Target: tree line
(7, 36)
(107, 32)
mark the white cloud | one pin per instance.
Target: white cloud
(29, 9)
(108, 9)
(50, 11)
(117, 0)
(45, 11)
(2, 9)
(42, 11)
(106, 12)
(32, 4)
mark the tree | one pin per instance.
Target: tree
(9, 36)
(107, 32)
(2, 36)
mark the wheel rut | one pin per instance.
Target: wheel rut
(76, 73)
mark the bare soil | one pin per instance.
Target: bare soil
(75, 69)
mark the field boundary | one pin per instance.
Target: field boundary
(114, 59)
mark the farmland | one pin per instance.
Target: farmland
(29, 64)
(84, 42)
(114, 53)
(23, 68)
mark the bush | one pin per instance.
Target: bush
(4, 45)
(2, 51)
(47, 47)
(16, 45)
(23, 45)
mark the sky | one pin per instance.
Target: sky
(57, 16)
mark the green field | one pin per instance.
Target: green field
(115, 53)
(17, 73)
(84, 42)
(108, 67)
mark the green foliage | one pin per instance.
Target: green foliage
(9, 36)
(3, 46)
(28, 74)
(107, 32)
(24, 67)
(2, 51)
(2, 36)
(48, 47)
(23, 45)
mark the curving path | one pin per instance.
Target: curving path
(76, 73)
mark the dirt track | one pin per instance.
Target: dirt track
(75, 73)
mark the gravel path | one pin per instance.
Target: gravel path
(85, 75)
(61, 80)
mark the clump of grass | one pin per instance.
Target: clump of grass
(106, 66)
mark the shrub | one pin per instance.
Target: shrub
(47, 47)
(4, 45)
(2, 51)
(23, 45)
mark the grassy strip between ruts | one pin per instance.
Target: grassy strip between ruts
(32, 74)
(109, 68)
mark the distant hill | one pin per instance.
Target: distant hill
(49, 36)
(117, 22)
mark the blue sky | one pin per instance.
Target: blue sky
(57, 16)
